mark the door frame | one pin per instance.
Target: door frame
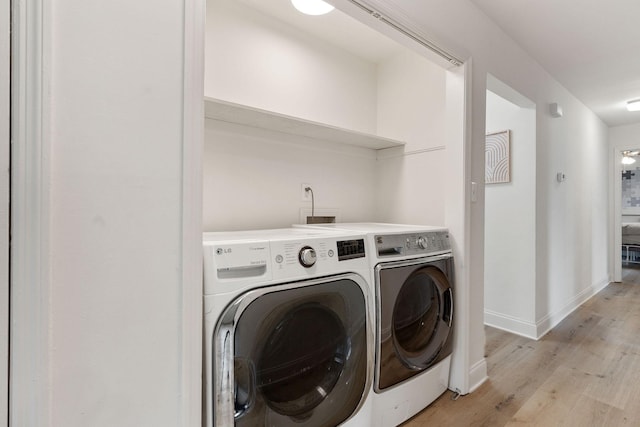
(5, 182)
(616, 168)
(29, 372)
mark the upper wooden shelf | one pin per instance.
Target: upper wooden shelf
(249, 116)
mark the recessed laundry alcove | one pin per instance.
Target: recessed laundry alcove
(322, 100)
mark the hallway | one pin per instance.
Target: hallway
(585, 372)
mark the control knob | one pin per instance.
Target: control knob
(422, 242)
(307, 256)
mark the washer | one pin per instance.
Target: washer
(288, 329)
(412, 270)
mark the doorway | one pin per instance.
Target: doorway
(629, 183)
(623, 211)
(510, 222)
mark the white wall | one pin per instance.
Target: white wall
(252, 178)
(572, 216)
(510, 240)
(112, 291)
(115, 214)
(283, 69)
(410, 100)
(411, 108)
(409, 187)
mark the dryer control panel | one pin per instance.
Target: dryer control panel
(419, 244)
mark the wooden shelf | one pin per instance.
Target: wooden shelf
(224, 111)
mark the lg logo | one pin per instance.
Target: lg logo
(221, 251)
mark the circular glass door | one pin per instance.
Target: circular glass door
(300, 354)
(295, 374)
(420, 319)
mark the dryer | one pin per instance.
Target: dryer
(411, 268)
(288, 329)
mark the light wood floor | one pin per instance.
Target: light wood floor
(631, 273)
(585, 372)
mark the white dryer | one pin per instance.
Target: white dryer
(412, 269)
(288, 329)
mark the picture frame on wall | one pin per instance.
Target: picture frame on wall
(630, 190)
(497, 157)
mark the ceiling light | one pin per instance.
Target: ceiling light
(626, 160)
(633, 105)
(312, 7)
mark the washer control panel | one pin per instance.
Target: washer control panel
(301, 258)
(426, 243)
(234, 260)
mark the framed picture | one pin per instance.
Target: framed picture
(630, 190)
(497, 157)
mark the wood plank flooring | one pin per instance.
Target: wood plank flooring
(631, 273)
(585, 372)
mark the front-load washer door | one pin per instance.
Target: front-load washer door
(415, 303)
(293, 355)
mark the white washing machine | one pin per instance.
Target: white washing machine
(288, 327)
(412, 269)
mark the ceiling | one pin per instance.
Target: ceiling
(346, 32)
(592, 47)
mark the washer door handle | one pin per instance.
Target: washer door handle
(447, 315)
(245, 386)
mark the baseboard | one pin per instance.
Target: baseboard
(510, 324)
(539, 329)
(552, 319)
(477, 375)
